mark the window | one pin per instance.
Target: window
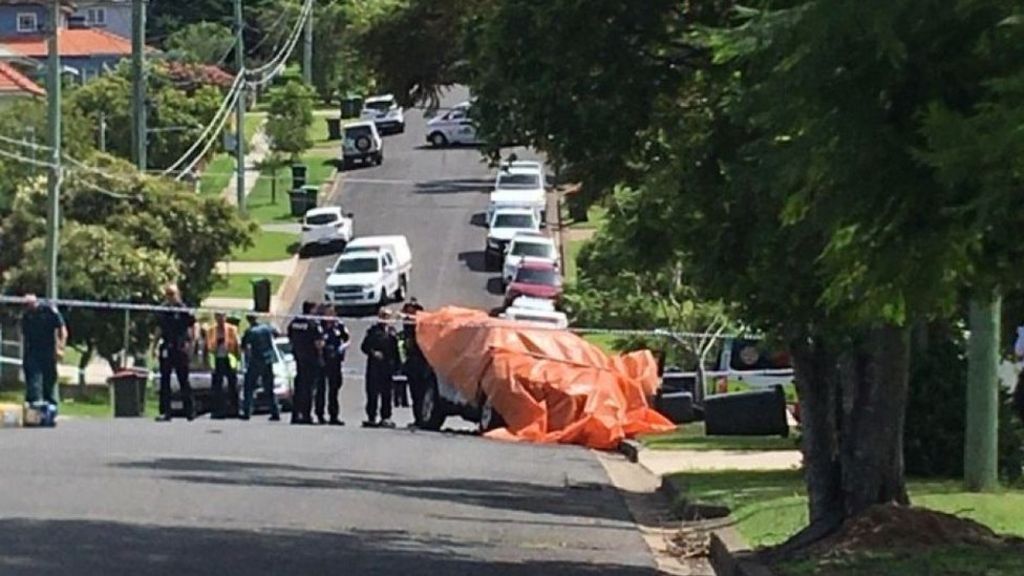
(27, 22)
(96, 16)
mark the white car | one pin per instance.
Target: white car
(364, 277)
(452, 127)
(361, 143)
(385, 112)
(535, 311)
(327, 225)
(520, 186)
(523, 246)
(503, 226)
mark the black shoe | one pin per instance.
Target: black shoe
(335, 422)
(320, 420)
(387, 424)
(244, 417)
(369, 424)
(217, 417)
(163, 418)
(275, 418)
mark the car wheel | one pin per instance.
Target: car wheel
(438, 140)
(379, 158)
(403, 289)
(346, 164)
(432, 409)
(489, 418)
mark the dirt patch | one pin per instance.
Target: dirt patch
(689, 543)
(905, 528)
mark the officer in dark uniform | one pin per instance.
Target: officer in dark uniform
(382, 361)
(177, 332)
(336, 339)
(307, 339)
(416, 366)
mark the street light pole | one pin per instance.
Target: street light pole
(307, 49)
(103, 131)
(53, 178)
(139, 140)
(240, 109)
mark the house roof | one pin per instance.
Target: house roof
(12, 81)
(73, 42)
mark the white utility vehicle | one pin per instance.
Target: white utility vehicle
(503, 226)
(361, 143)
(327, 225)
(385, 112)
(452, 127)
(372, 271)
(521, 186)
(533, 246)
(535, 311)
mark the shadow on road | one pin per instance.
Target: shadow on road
(102, 548)
(494, 286)
(580, 501)
(474, 260)
(479, 220)
(455, 186)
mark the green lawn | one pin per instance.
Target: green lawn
(217, 175)
(240, 285)
(770, 506)
(95, 404)
(605, 342)
(266, 207)
(269, 246)
(572, 251)
(691, 437)
(596, 216)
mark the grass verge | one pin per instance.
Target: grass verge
(95, 403)
(240, 285)
(269, 247)
(216, 175)
(770, 506)
(691, 437)
(572, 251)
(267, 204)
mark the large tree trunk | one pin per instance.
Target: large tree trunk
(852, 401)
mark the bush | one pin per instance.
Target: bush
(934, 429)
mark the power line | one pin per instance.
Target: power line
(213, 138)
(224, 109)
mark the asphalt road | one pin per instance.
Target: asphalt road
(437, 198)
(103, 498)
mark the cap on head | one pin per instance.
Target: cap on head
(252, 318)
(308, 307)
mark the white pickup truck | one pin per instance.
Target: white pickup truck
(372, 271)
(520, 185)
(503, 225)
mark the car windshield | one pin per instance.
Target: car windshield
(544, 276)
(381, 106)
(357, 266)
(321, 219)
(534, 249)
(513, 221)
(518, 181)
(353, 132)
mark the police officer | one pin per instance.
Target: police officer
(416, 366)
(307, 338)
(336, 338)
(258, 344)
(381, 348)
(177, 332)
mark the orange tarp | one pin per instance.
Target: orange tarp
(548, 385)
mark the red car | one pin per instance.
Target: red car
(539, 279)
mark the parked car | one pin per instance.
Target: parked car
(452, 127)
(533, 246)
(385, 112)
(535, 311)
(520, 186)
(372, 271)
(327, 225)
(361, 144)
(536, 278)
(503, 225)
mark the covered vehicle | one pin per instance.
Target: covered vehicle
(534, 383)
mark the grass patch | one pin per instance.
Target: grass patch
(691, 437)
(596, 215)
(217, 175)
(957, 561)
(264, 206)
(95, 403)
(572, 251)
(240, 285)
(269, 247)
(606, 342)
(770, 506)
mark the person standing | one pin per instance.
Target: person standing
(381, 348)
(177, 332)
(336, 339)
(306, 336)
(44, 335)
(258, 343)
(416, 368)
(222, 343)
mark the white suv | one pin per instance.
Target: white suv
(385, 112)
(363, 278)
(504, 225)
(523, 246)
(452, 127)
(520, 186)
(361, 143)
(327, 225)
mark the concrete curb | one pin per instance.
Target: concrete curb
(292, 283)
(631, 450)
(727, 562)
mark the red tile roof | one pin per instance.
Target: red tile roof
(12, 81)
(73, 42)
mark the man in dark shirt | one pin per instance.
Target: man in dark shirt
(258, 345)
(416, 367)
(307, 338)
(177, 333)
(336, 339)
(43, 337)
(382, 361)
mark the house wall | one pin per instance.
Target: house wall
(118, 16)
(90, 67)
(9, 17)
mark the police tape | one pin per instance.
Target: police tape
(396, 317)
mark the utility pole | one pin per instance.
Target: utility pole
(103, 131)
(53, 178)
(139, 136)
(240, 109)
(981, 438)
(307, 49)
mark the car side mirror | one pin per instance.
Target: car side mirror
(329, 270)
